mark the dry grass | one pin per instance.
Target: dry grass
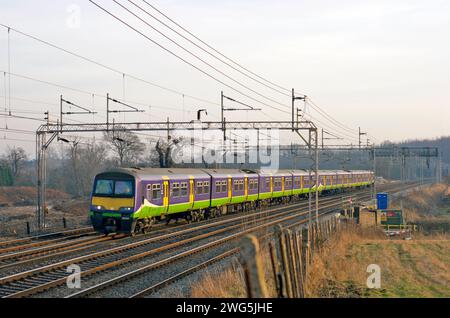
(416, 268)
(10, 196)
(425, 204)
(230, 283)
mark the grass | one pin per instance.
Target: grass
(409, 268)
(230, 283)
(416, 268)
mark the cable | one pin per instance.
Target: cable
(109, 68)
(9, 66)
(212, 48)
(198, 58)
(179, 57)
(337, 123)
(18, 131)
(20, 140)
(22, 117)
(206, 51)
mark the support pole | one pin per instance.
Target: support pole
(61, 114)
(317, 172)
(107, 112)
(293, 109)
(222, 116)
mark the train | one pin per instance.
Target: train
(131, 200)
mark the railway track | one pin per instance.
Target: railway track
(41, 254)
(32, 281)
(131, 277)
(46, 277)
(42, 240)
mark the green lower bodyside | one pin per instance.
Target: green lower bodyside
(265, 195)
(277, 194)
(157, 211)
(220, 202)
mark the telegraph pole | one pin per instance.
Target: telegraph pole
(359, 136)
(294, 98)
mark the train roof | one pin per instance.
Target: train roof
(158, 173)
(181, 173)
(225, 173)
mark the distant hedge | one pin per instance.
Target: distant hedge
(6, 177)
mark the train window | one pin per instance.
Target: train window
(267, 183)
(277, 183)
(206, 187)
(199, 189)
(289, 183)
(224, 187)
(104, 187)
(184, 189)
(306, 181)
(218, 186)
(123, 188)
(253, 184)
(236, 185)
(154, 191)
(175, 190)
(241, 185)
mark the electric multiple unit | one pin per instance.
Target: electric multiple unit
(132, 200)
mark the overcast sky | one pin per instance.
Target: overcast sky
(381, 65)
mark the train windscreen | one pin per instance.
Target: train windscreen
(114, 188)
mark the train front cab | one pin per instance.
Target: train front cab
(113, 203)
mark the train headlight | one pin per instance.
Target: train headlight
(97, 208)
(126, 209)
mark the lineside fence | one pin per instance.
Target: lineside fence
(291, 255)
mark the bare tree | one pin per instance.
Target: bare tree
(93, 159)
(16, 157)
(126, 146)
(164, 151)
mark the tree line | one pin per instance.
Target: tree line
(72, 166)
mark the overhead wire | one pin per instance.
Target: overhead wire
(212, 48)
(203, 49)
(181, 58)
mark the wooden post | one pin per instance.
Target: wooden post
(285, 263)
(299, 243)
(298, 259)
(278, 232)
(276, 269)
(312, 242)
(308, 244)
(292, 263)
(253, 268)
(302, 263)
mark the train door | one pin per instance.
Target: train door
(166, 196)
(246, 187)
(191, 192)
(230, 188)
